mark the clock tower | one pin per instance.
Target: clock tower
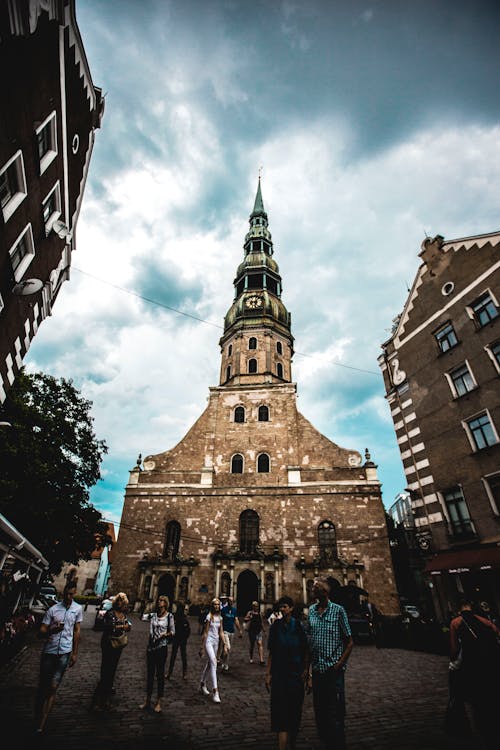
(257, 344)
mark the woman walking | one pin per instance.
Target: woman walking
(182, 633)
(255, 631)
(114, 639)
(211, 637)
(161, 629)
(286, 674)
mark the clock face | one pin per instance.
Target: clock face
(254, 302)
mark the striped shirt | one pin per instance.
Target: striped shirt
(327, 635)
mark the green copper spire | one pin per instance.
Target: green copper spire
(258, 209)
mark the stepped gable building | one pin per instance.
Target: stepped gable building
(253, 501)
(49, 112)
(441, 370)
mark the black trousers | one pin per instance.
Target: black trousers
(329, 708)
(176, 645)
(109, 663)
(156, 666)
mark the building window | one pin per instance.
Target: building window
(263, 463)
(225, 584)
(237, 464)
(228, 372)
(492, 487)
(252, 343)
(51, 207)
(12, 185)
(263, 414)
(252, 365)
(484, 309)
(458, 512)
(46, 137)
(229, 350)
(493, 352)
(481, 431)
(22, 253)
(172, 539)
(239, 414)
(279, 347)
(446, 337)
(279, 370)
(327, 541)
(461, 380)
(270, 588)
(249, 532)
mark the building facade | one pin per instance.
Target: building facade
(253, 501)
(441, 370)
(48, 116)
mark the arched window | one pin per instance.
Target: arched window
(249, 532)
(263, 463)
(252, 365)
(270, 590)
(263, 414)
(327, 541)
(239, 414)
(172, 539)
(229, 350)
(279, 370)
(237, 464)
(279, 347)
(228, 372)
(252, 343)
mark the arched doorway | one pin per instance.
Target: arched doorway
(247, 591)
(166, 587)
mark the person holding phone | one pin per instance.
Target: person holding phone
(61, 629)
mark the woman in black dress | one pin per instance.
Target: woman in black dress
(286, 674)
(113, 641)
(255, 628)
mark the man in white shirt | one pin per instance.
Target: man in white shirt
(61, 629)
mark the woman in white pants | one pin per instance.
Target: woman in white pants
(212, 635)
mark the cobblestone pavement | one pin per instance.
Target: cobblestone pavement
(395, 699)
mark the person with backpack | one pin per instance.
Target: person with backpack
(475, 652)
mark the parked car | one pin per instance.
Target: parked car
(411, 610)
(102, 608)
(361, 627)
(39, 607)
(48, 591)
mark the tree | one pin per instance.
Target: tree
(49, 458)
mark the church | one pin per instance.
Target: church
(253, 502)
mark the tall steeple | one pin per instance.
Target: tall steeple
(257, 325)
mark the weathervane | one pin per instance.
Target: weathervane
(260, 172)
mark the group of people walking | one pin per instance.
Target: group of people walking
(302, 656)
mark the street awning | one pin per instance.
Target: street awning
(461, 561)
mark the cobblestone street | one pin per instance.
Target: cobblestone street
(395, 699)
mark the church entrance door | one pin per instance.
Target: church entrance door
(247, 591)
(166, 587)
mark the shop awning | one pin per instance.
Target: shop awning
(460, 561)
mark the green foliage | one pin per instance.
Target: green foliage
(49, 458)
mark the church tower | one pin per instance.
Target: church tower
(254, 502)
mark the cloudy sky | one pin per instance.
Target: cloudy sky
(374, 121)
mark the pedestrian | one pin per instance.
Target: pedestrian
(161, 631)
(330, 644)
(114, 638)
(255, 622)
(275, 613)
(286, 674)
(182, 633)
(61, 629)
(211, 638)
(229, 621)
(475, 652)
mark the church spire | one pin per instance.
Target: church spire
(258, 208)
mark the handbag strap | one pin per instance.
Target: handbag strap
(469, 627)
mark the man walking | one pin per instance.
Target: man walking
(229, 620)
(330, 644)
(61, 629)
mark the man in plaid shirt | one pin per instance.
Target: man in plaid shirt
(330, 644)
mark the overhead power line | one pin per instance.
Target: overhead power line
(208, 322)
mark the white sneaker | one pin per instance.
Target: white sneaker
(203, 689)
(215, 697)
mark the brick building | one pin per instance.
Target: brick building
(441, 368)
(48, 115)
(253, 501)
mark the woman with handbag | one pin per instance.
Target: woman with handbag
(161, 631)
(113, 641)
